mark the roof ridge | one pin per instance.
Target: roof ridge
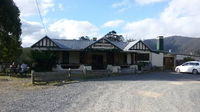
(72, 40)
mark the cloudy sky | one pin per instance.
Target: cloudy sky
(137, 19)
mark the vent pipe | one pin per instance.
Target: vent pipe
(160, 43)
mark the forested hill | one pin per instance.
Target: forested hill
(178, 44)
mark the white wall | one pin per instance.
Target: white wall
(129, 58)
(157, 59)
(60, 57)
(197, 58)
(74, 57)
(181, 57)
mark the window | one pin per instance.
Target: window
(194, 64)
(65, 58)
(185, 64)
(142, 57)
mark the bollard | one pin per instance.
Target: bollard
(32, 76)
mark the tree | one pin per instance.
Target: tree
(44, 60)
(113, 36)
(84, 38)
(10, 31)
(130, 40)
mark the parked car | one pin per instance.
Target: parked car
(189, 67)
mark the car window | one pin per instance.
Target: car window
(194, 64)
(185, 64)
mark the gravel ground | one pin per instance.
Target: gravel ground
(152, 92)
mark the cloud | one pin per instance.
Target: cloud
(72, 29)
(28, 7)
(180, 17)
(113, 23)
(122, 5)
(60, 6)
(32, 32)
(146, 28)
(61, 29)
(145, 2)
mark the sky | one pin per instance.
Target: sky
(134, 19)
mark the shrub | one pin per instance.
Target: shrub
(141, 65)
(188, 59)
(43, 60)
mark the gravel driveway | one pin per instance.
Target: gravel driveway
(153, 92)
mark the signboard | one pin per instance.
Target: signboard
(103, 45)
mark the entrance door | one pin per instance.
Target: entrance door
(97, 62)
(169, 63)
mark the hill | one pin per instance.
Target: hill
(178, 44)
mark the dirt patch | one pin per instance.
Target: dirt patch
(4, 80)
(177, 83)
(12, 84)
(149, 94)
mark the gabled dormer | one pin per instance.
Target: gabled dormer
(137, 45)
(45, 42)
(102, 44)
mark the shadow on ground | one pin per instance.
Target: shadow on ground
(159, 76)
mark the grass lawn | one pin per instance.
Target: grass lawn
(11, 84)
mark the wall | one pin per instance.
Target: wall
(197, 58)
(157, 59)
(129, 58)
(74, 57)
(60, 57)
(181, 57)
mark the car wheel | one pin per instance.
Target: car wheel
(178, 70)
(194, 71)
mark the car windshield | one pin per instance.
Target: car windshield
(185, 64)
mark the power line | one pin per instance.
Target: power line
(41, 18)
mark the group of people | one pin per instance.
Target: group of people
(18, 68)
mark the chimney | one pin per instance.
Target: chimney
(94, 39)
(160, 43)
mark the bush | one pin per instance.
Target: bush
(188, 59)
(43, 60)
(25, 57)
(141, 65)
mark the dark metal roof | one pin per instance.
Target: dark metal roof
(119, 44)
(72, 44)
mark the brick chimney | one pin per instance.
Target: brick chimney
(160, 43)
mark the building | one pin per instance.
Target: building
(95, 53)
(105, 52)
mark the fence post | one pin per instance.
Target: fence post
(32, 76)
(84, 72)
(69, 73)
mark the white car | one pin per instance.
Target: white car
(189, 67)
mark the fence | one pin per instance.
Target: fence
(55, 76)
(72, 74)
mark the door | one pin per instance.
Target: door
(169, 63)
(97, 62)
